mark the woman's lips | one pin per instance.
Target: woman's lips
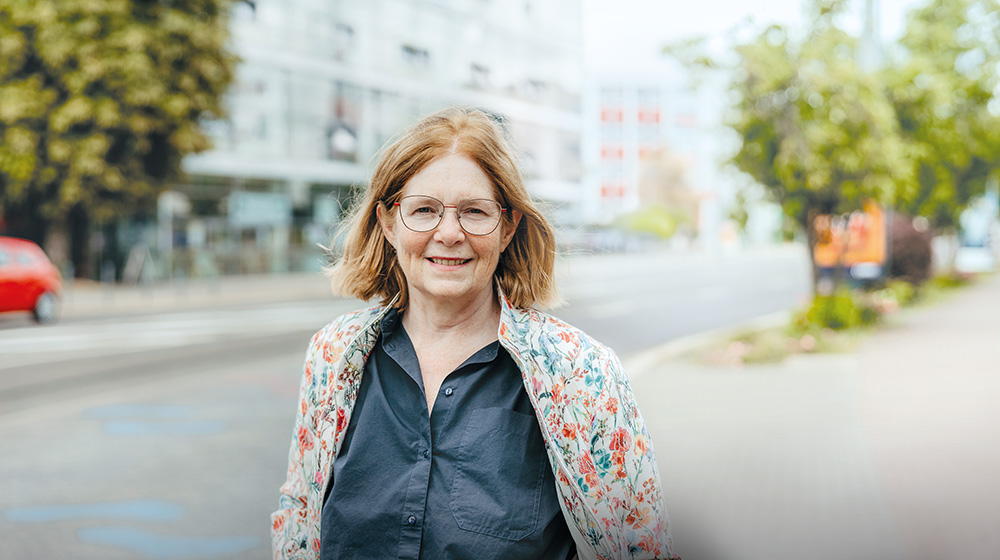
(448, 262)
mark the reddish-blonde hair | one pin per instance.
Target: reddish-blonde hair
(368, 268)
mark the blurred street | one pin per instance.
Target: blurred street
(888, 453)
(158, 427)
(180, 172)
(154, 423)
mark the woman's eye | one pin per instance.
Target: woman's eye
(424, 210)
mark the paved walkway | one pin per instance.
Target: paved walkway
(89, 299)
(888, 453)
(891, 452)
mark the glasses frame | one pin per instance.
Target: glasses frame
(458, 214)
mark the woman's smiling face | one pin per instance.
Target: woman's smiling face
(447, 265)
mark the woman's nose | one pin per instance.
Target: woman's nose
(450, 229)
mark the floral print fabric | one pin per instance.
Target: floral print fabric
(596, 441)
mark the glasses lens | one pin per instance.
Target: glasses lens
(420, 213)
(479, 216)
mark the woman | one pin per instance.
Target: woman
(454, 420)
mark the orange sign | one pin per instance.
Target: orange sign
(858, 237)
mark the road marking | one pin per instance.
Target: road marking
(27, 346)
(194, 428)
(712, 293)
(631, 305)
(114, 411)
(142, 510)
(615, 308)
(166, 547)
(142, 420)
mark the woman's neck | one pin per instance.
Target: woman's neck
(477, 319)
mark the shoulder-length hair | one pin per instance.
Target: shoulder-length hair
(368, 268)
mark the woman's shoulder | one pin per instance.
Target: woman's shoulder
(553, 334)
(346, 326)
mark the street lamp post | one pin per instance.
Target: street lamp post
(870, 53)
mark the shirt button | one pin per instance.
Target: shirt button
(411, 520)
(427, 453)
(448, 391)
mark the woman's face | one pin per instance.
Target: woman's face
(447, 266)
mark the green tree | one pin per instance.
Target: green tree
(99, 101)
(817, 132)
(942, 88)
(739, 213)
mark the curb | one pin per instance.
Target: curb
(649, 360)
(92, 300)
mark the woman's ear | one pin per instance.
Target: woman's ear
(386, 222)
(509, 231)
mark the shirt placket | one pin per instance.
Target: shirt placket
(415, 502)
(413, 513)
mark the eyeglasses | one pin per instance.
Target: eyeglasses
(477, 216)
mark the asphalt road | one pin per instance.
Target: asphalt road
(635, 302)
(164, 436)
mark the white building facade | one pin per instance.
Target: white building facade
(323, 84)
(639, 124)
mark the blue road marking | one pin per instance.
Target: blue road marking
(161, 412)
(166, 547)
(135, 510)
(130, 428)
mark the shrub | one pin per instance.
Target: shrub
(837, 311)
(844, 309)
(656, 220)
(950, 281)
(869, 312)
(901, 291)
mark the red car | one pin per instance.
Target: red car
(28, 280)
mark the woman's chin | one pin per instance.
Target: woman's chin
(454, 291)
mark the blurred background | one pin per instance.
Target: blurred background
(750, 187)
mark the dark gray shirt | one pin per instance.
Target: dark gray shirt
(470, 480)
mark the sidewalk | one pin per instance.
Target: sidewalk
(891, 452)
(92, 299)
(83, 298)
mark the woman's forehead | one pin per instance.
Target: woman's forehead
(455, 176)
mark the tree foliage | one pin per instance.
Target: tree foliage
(816, 131)
(942, 86)
(100, 100)
(921, 134)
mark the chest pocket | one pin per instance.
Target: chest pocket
(500, 469)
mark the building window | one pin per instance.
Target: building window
(415, 56)
(686, 120)
(612, 96)
(344, 123)
(648, 97)
(343, 40)
(612, 114)
(479, 75)
(531, 88)
(612, 152)
(649, 115)
(612, 190)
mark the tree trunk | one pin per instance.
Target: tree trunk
(24, 221)
(810, 227)
(57, 247)
(78, 225)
